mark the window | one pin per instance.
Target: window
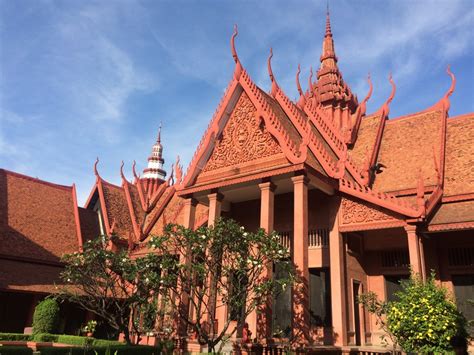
(319, 297)
(392, 286)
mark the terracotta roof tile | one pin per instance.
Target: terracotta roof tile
(25, 276)
(89, 224)
(406, 147)
(117, 209)
(459, 168)
(366, 137)
(455, 212)
(36, 218)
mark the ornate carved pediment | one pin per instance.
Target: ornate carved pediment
(359, 215)
(243, 139)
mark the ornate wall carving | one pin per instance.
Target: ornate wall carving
(242, 140)
(354, 212)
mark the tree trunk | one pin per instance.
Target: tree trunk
(126, 334)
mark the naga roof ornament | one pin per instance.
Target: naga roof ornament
(96, 172)
(270, 73)
(238, 65)
(385, 109)
(302, 100)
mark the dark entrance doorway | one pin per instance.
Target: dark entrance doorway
(355, 294)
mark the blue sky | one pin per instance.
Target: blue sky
(81, 79)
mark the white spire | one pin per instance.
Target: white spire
(155, 161)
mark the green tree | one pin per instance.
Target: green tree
(221, 266)
(46, 317)
(423, 319)
(110, 284)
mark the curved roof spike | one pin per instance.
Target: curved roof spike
(371, 88)
(310, 79)
(298, 85)
(453, 82)
(269, 64)
(121, 171)
(232, 44)
(394, 89)
(133, 170)
(96, 172)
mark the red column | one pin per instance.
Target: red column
(300, 260)
(415, 249)
(189, 213)
(338, 282)
(260, 324)
(215, 207)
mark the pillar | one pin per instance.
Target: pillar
(189, 213)
(415, 250)
(300, 259)
(338, 281)
(260, 324)
(215, 207)
(219, 313)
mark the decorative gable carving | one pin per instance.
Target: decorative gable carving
(360, 216)
(242, 139)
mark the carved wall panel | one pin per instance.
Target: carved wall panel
(354, 212)
(242, 139)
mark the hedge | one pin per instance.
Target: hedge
(46, 317)
(111, 350)
(16, 350)
(15, 337)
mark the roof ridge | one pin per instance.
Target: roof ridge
(30, 178)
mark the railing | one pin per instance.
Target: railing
(318, 238)
(285, 239)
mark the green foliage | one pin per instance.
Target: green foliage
(111, 350)
(110, 283)
(225, 266)
(46, 317)
(15, 350)
(15, 337)
(45, 337)
(423, 319)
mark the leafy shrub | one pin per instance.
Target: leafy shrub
(112, 350)
(103, 342)
(423, 319)
(45, 338)
(15, 350)
(15, 337)
(46, 317)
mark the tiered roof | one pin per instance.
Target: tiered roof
(397, 165)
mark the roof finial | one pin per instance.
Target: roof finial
(122, 175)
(232, 43)
(298, 85)
(270, 72)
(371, 88)
(134, 171)
(328, 22)
(310, 80)
(238, 66)
(159, 133)
(96, 172)
(394, 89)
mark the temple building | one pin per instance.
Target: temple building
(357, 197)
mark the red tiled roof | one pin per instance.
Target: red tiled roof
(366, 137)
(455, 212)
(117, 209)
(406, 148)
(26, 276)
(459, 168)
(36, 218)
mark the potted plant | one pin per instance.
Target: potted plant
(89, 328)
